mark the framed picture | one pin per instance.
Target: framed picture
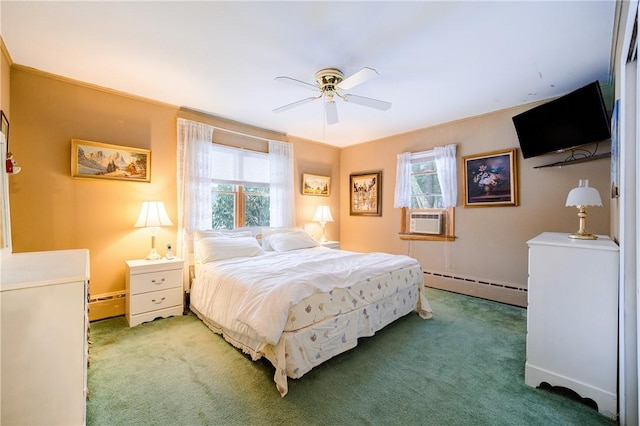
(316, 185)
(365, 194)
(104, 161)
(615, 151)
(490, 179)
(4, 128)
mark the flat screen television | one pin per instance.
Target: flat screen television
(577, 118)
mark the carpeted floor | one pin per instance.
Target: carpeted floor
(465, 366)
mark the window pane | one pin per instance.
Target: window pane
(423, 166)
(425, 190)
(257, 189)
(223, 187)
(223, 210)
(256, 205)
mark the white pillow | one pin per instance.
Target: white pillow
(292, 241)
(222, 233)
(220, 248)
(267, 233)
(210, 233)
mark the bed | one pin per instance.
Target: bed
(284, 297)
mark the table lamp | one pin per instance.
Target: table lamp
(153, 215)
(323, 215)
(581, 197)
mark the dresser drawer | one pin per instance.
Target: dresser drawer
(154, 281)
(156, 300)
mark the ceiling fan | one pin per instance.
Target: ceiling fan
(330, 82)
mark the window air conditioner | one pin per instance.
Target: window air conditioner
(425, 223)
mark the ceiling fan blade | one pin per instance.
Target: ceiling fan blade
(359, 77)
(301, 83)
(368, 102)
(331, 110)
(295, 104)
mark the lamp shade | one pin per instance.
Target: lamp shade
(584, 195)
(153, 214)
(323, 215)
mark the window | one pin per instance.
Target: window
(240, 188)
(425, 187)
(424, 196)
(236, 206)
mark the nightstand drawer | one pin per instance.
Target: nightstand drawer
(154, 281)
(156, 300)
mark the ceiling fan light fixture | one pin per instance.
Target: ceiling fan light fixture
(329, 82)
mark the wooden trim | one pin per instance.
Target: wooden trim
(5, 51)
(424, 237)
(239, 206)
(448, 233)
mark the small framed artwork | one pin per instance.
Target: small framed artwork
(365, 194)
(316, 185)
(490, 179)
(105, 161)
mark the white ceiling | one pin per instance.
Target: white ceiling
(437, 61)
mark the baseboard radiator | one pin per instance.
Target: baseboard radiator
(500, 292)
(107, 305)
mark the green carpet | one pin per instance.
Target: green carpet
(464, 366)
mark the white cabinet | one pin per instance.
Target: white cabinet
(43, 363)
(572, 317)
(154, 289)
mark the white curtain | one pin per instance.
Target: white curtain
(403, 181)
(281, 187)
(446, 168)
(195, 168)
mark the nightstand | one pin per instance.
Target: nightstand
(331, 244)
(154, 289)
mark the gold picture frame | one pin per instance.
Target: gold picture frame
(316, 185)
(365, 194)
(491, 179)
(98, 160)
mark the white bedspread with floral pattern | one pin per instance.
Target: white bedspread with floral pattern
(320, 298)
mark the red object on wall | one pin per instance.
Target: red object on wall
(9, 165)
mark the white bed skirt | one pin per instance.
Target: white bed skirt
(298, 351)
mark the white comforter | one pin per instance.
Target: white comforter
(252, 295)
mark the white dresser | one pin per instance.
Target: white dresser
(154, 289)
(572, 317)
(43, 302)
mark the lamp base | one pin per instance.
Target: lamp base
(323, 239)
(583, 236)
(582, 233)
(153, 255)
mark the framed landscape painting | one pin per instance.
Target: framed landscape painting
(365, 194)
(316, 185)
(105, 161)
(490, 179)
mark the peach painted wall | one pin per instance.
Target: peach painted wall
(491, 241)
(323, 160)
(52, 211)
(5, 69)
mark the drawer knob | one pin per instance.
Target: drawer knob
(158, 302)
(157, 282)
